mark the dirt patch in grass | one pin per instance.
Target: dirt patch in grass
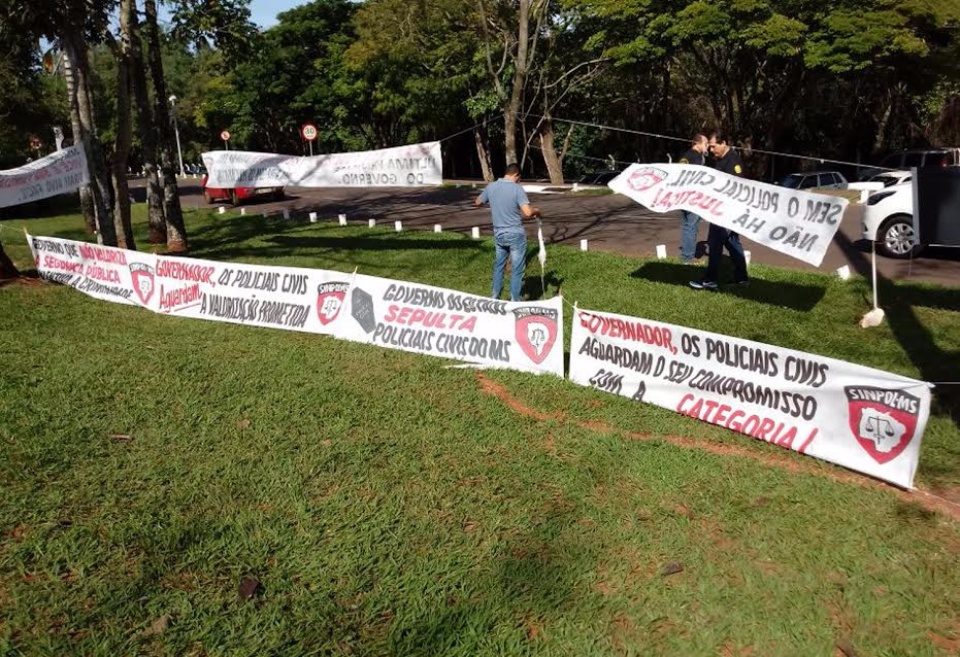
(787, 462)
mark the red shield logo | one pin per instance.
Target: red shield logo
(883, 421)
(536, 331)
(142, 277)
(646, 177)
(330, 298)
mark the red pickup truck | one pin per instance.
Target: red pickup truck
(237, 195)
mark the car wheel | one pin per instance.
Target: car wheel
(279, 195)
(895, 237)
(234, 199)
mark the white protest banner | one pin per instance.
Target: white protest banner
(103, 272)
(525, 336)
(861, 418)
(799, 224)
(57, 173)
(289, 298)
(401, 166)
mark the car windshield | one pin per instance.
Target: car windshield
(792, 181)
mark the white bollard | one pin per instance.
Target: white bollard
(474, 185)
(661, 251)
(313, 217)
(583, 245)
(243, 212)
(398, 226)
(221, 209)
(343, 219)
(746, 256)
(371, 223)
(286, 213)
(576, 187)
(475, 232)
(844, 273)
(437, 228)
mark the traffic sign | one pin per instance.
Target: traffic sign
(225, 135)
(309, 131)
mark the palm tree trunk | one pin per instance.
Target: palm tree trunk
(86, 193)
(121, 150)
(176, 231)
(75, 49)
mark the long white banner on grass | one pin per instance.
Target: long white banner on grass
(861, 418)
(403, 166)
(799, 224)
(396, 314)
(57, 173)
(525, 336)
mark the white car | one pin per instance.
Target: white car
(891, 178)
(888, 220)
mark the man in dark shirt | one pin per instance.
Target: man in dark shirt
(724, 159)
(690, 222)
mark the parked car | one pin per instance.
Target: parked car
(237, 195)
(891, 178)
(918, 158)
(815, 180)
(888, 220)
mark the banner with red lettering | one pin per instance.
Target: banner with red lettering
(857, 417)
(102, 272)
(799, 224)
(526, 336)
(57, 173)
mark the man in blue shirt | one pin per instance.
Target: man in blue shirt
(508, 206)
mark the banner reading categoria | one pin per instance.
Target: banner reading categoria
(799, 224)
(526, 336)
(861, 418)
(402, 166)
(57, 173)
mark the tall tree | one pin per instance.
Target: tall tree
(176, 230)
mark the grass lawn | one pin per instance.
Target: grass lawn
(388, 504)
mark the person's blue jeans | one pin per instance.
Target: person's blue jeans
(513, 245)
(718, 238)
(689, 223)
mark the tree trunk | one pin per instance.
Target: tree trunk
(7, 269)
(100, 187)
(547, 135)
(176, 231)
(124, 139)
(480, 138)
(148, 137)
(521, 66)
(86, 193)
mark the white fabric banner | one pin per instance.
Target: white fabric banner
(103, 272)
(861, 418)
(799, 224)
(403, 166)
(526, 336)
(57, 173)
(394, 314)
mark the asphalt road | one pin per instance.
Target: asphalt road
(610, 223)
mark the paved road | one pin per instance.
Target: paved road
(610, 223)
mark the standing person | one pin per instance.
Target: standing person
(690, 222)
(724, 159)
(508, 206)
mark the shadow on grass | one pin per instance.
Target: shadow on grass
(789, 295)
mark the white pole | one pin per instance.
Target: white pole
(873, 266)
(176, 130)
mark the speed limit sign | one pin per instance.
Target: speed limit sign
(309, 131)
(225, 135)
